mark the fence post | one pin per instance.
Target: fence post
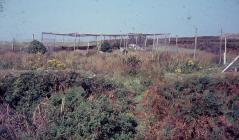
(75, 43)
(195, 43)
(177, 43)
(225, 53)
(121, 41)
(220, 49)
(146, 39)
(13, 47)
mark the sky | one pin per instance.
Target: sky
(19, 19)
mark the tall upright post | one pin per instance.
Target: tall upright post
(13, 41)
(88, 46)
(63, 40)
(177, 42)
(54, 42)
(136, 40)
(78, 44)
(120, 41)
(33, 37)
(75, 43)
(169, 39)
(225, 53)
(220, 49)
(145, 43)
(127, 41)
(195, 44)
(157, 42)
(42, 37)
(153, 42)
(97, 45)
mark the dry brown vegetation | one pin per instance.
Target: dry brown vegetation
(148, 89)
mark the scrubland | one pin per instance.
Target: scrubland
(141, 95)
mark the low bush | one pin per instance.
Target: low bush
(197, 108)
(36, 47)
(83, 119)
(133, 64)
(106, 47)
(56, 64)
(94, 109)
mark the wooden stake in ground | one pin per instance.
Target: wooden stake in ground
(169, 39)
(75, 43)
(42, 37)
(195, 45)
(225, 53)
(136, 40)
(157, 43)
(177, 42)
(97, 46)
(88, 46)
(121, 39)
(153, 42)
(13, 45)
(220, 49)
(145, 43)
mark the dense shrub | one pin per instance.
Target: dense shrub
(106, 47)
(83, 119)
(197, 108)
(95, 109)
(36, 47)
(133, 64)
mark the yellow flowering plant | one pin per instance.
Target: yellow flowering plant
(56, 64)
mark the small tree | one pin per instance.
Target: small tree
(106, 47)
(36, 47)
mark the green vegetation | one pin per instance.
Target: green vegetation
(201, 107)
(36, 47)
(141, 95)
(106, 47)
(91, 109)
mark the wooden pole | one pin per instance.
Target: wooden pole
(75, 43)
(177, 42)
(88, 46)
(127, 41)
(157, 42)
(63, 40)
(231, 64)
(145, 43)
(54, 42)
(42, 37)
(124, 42)
(13, 40)
(225, 53)
(121, 41)
(220, 49)
(78, 44)
(33, 37)
(169, 39)
(136, 40)
(195, 45)
(97, 45)
(154, 42)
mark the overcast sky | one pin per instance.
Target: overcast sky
(21, 18)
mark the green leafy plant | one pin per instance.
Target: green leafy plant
(133, 64)
(106, 47)
(36, 47)
(83, 119)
